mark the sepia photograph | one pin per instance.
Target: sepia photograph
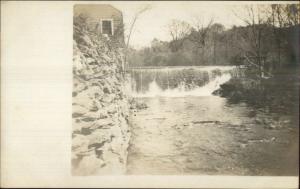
(150, 94)
(172, 88)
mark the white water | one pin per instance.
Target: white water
(202, 68)
(154, 90)
(206, 90)
(202, 134)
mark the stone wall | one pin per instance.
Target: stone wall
(100, 105)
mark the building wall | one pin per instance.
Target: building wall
(95, 13)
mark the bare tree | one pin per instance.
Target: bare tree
(199, 35)
(178, 30)
(136, 16)
(276, 19)
(255, 20)
(284, 15)
(281, 16)
(292, 12)
(216, 30)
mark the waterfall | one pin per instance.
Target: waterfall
(178, 81)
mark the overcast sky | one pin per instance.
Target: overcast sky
(153, 23)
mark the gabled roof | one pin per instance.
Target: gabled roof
(96, 6)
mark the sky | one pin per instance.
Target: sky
(153, 23)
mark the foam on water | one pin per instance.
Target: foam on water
(153, 89)
(206, 90)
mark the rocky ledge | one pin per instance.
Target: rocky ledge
(101, 133)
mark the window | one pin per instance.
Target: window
(107, 27)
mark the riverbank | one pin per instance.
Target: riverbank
(279, 93)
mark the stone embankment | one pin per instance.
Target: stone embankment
(101, 132)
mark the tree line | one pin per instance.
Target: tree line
(268, 40)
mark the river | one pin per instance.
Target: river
(187, 130)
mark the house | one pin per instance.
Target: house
(102, 18)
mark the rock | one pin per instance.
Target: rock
(88, 119)
(75, 115)
(90, 60)
(217, 92)
(84, 98)
(270, 126)
(112, 109)
(99, 114)
(105, 122)
(252, 113)
(86, 131)
(107, 98)
(89, 165)
(258, 121)
(79, 109)
(81, 124)
(134, 104)
(106, 90)
(141, 106)
(94, 108)
(79, 143)
(74, 94)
